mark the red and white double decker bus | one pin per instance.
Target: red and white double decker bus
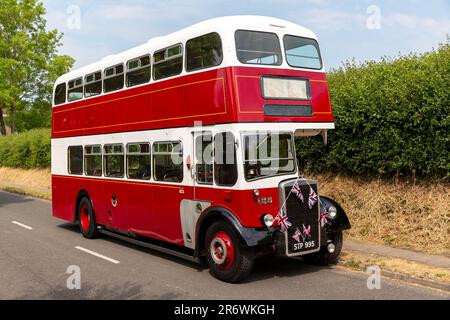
(131, 160)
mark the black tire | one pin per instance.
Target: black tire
(231, 270)
(323, 257)
(86, 219)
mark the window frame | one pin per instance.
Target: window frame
(139, 153)
(92, 154)
(93, 82)
(158, 153)
(196, 162)
(235, 159)
(65, 93)
(105, 154)
(201, 68)
(69, 162)
(115, 75)
(253, 133)
(138, 68)
(316, 46)
(75, 86)
(258, 64)
(166, 58)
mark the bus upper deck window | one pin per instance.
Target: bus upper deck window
(167, 62)
(138, 71)
(302, 52)
(75, 91)
(60, 94)
(203, 52)
(93, 84)
(113, 78)
(253, 47)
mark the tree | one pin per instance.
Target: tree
(29, 64)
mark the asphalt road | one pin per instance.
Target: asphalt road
(33, 264)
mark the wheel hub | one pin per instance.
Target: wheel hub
(85, 218)
(221, 249)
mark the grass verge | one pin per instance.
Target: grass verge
(357, 260)
(32, 182)
(403, 215)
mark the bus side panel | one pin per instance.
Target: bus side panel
(166, 209)
(171, 103)
(65, 190)
(242, 202)
(61, 206)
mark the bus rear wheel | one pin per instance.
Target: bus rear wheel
(229, 261)
(86, 219)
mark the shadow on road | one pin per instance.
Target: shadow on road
(264, 268)
(126, 291)
(280, 267)
(7, 198)
(74, 228)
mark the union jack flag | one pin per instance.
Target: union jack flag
(298, 192)
(312, 199)
(297, 235)
(306, 231)
(324, 217)
(282, 220)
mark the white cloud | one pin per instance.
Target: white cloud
(331, 20)
(420, 24)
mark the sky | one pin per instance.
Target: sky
(359, 29)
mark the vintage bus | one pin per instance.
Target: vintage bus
(185, 144)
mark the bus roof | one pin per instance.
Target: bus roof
(221, 25)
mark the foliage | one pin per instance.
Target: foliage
(26, 150)
(29, 64)
(391, 116)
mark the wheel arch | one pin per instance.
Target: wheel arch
(341, 222)
(247, 236)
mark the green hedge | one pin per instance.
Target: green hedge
(391, 116)
(30, 149)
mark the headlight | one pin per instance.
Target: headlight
(332, 212)
(268, 220)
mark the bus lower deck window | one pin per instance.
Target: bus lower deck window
(93, 160)
(75, 160)
(138, 161)
(204, 156)
(225, 166)
(168, 161)
(113, 160)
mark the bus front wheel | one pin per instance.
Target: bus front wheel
(229, 261)
(86, 219)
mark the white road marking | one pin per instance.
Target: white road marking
(22, 225)
(97, 254)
